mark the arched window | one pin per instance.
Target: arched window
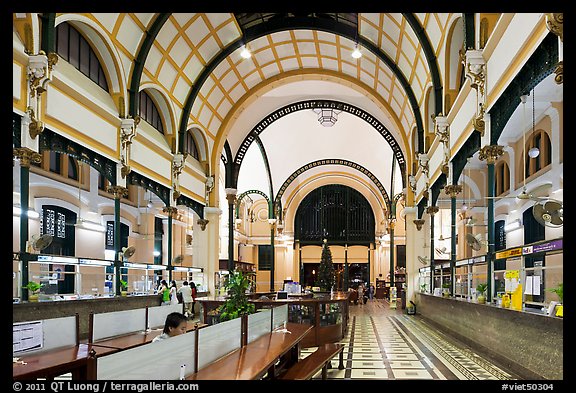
(190, 145)
(540, 140)
(502, 178)
(454, 68)
(55, 162)
(72, 168)
(149, 112)
(75, 49)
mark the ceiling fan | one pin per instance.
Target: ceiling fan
(549, 213)
(423, 260)
(475, 241)
(442, 251)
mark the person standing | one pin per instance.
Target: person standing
(372, 291)
(186, 292)
(164, 291)
(194, 291)
(361, 294)
(173, 293)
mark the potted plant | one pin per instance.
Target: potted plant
(559, 308)
(446, 290)
(34, 289)
(236, 304)
(123, 287)
(558, 290)
(481, 291)
(422, 288)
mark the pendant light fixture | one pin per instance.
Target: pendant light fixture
(534, 151)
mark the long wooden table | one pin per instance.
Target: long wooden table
(255, 359)
(52, 363)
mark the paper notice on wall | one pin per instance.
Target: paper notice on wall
(529, 281)
(532, 285)
(27, 336)
(536, 285)
(511, 280)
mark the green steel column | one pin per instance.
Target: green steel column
(117, 262)
(231, 201)
(301, 266)
(490, 153)
(24, 196)
(452, 238)
(346, 272)
(431, 252)
(391, 254)
(272, 256)
(369, 249)
(490, 254)
(170, 243)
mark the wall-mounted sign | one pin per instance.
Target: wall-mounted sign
(513, 252)
(543, 247)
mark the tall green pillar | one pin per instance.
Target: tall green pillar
(231, 197)
(346, 271)
(452, 190)
(490, 153)
(26, 157)
(432, 210)
(118, 192)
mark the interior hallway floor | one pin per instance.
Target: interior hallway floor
(383, 343)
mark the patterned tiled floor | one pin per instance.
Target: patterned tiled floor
(382, 343)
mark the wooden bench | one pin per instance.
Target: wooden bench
(319, 359)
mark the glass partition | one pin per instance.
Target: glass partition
(330, 314)
(301, 313)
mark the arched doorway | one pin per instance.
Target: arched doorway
(343, 217)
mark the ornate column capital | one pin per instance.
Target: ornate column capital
(118, 191)
(453, 190)
(432, 210)
(555, 23)
(172, 211)
(490, 153)
(418, 223)
(26, 156)
(559, 71)
(231, 195)
(203, 222)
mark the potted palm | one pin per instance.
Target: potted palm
(237, 285)
(123, 288)
(559, 291)
(481, 291)
(446, 290)
(34, 288)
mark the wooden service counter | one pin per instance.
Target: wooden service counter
(327, 314)
(32, 311)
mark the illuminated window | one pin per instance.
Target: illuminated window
(149, 112)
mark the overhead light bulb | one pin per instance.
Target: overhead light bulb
(245, 53)
(534, 152)
(356, 54)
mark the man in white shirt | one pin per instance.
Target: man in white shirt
(186, 292)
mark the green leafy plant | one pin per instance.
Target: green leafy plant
(423, 287)
(123, 285)
(558, 290)
(481, 288)
(326, 273)
(236, 304)
(33, 287)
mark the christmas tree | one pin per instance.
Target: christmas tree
(326, 271)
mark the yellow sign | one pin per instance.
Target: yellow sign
(560, 311)
(510, 274)
(513, 252)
